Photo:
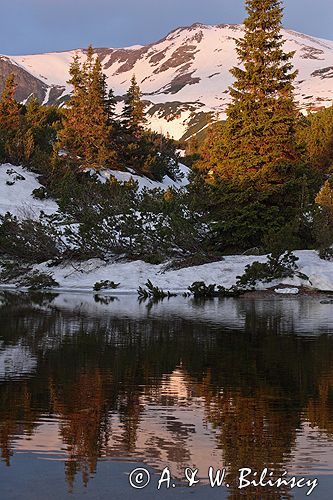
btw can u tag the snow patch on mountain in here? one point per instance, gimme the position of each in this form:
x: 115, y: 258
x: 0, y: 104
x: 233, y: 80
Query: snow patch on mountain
x: 190, y: 65
x: 143, y: 181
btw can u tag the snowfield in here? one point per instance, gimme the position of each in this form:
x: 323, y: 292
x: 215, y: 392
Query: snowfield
x: 82, y: 276
x: 16, y: 187
x: 145, y: 182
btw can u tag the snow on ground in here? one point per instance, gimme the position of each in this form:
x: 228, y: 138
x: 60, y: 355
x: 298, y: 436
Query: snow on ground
x: 286, y: 291
x: 145, y: 182
x: 17, y: 184
x: 81, y: 276
x: 16, y: 187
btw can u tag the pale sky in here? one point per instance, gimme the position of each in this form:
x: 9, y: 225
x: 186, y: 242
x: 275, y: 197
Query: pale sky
x: 32, y: 26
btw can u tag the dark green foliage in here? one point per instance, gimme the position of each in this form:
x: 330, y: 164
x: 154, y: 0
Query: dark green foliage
x: 105, y: 284
x: 322, y: 217
x: 276, y: 267
x: 200, y: 290
x: 150, y: 154
x: 40, y: 193
x: 245, y: 215
x: 153, y: 292
x: 11, y: 270
x: 29, y: 240
x: 112, y: 218
x: 315, y: 134
x: 326, y: 253
x: 322, y: 228
x: 133, y: 113
x: 202, y: 256
x: 38, y: 281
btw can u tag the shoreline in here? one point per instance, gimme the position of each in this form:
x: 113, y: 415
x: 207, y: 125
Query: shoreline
x: 314, y: 275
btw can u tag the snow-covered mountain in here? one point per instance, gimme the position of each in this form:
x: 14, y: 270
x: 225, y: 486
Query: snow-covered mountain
x: 182, y: 77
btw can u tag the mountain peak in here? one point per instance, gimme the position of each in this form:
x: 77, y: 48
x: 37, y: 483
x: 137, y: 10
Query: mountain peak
x: 183, y: 77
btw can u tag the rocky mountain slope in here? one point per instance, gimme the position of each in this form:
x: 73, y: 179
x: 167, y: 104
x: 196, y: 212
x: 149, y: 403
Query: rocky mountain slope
x: 183, y: 77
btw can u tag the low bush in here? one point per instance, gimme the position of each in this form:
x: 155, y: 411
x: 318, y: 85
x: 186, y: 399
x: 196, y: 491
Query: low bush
x: 277, y: 267
x: 30, y: 240
x: 38, y: 281
x: 105, y: 284
x: 200, y: 290
x: 11, y: 270
x: 40, y: 193
x: 153, y: 292
x: 326, y: 253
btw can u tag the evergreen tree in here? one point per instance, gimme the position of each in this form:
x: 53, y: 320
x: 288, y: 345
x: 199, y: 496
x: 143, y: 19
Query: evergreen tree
x: 16, y: 143
x: 133, y: 113
x: 85, y: 134
x: 9, y: 107
x: 325, y: 196
x: 316, y: 135
x: 260, y: 129
x: 10, y: 119
x: 110, y: 107
x: 252, y: 162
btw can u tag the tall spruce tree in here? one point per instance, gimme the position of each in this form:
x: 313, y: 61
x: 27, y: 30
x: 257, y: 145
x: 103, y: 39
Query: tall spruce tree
x: 133, y: 112
x: 16, y: 142
x: 252, y: 163
x: 260, y: 128
x: 9, y: 118
x: 86, y: 133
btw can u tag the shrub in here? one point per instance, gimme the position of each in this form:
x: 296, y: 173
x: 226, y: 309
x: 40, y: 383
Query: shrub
x: 10, y: 271
x: 40, y: 193
x: 200, y: 290
x: 115, y: 219
x: 104, y: 284
x: 38, y: 280
x: 153, y: 292
x: 30, y: 240
x: 277, y: 267
x: 326, y: 253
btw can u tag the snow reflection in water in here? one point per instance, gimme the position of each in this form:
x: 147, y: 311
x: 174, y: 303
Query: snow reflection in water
x: 228, y: 383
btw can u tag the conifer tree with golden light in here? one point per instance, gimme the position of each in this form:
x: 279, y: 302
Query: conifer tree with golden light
x: 260, y: 129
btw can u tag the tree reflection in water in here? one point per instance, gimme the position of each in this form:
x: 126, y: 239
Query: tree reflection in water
x: 166, y: 388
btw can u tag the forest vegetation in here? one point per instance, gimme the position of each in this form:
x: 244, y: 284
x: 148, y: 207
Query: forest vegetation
x: 261, y: 182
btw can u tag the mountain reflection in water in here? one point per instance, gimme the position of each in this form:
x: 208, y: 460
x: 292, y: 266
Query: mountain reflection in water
x: 226, y: 383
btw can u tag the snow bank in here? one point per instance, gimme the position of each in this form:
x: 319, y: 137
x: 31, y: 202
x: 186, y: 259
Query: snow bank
x: 145, y: 182
x: 17, y: 184
x: 286, y: 291
x: 83, y: 275
x: 16, y: 187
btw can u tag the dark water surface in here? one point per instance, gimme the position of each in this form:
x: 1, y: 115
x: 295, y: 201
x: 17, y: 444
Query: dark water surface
x: 92, y: 388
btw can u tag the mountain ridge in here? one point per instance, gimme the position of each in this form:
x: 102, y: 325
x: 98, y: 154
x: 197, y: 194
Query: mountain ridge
x: 183, y: 76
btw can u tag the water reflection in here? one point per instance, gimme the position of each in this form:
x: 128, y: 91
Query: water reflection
x: 228, y: 383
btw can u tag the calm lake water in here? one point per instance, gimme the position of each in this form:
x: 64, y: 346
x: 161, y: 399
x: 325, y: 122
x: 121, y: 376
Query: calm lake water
x: 93, y: 388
